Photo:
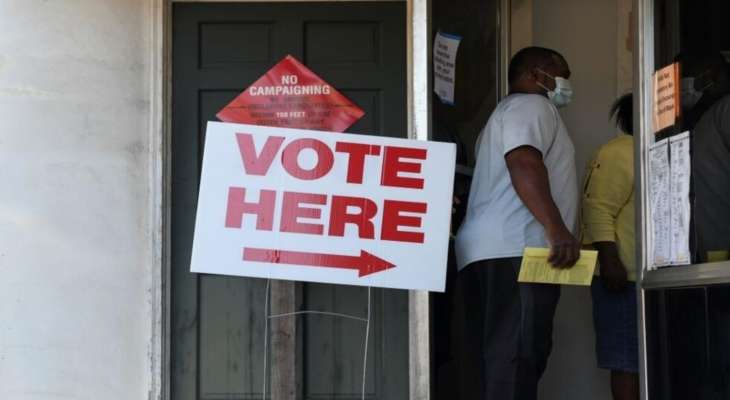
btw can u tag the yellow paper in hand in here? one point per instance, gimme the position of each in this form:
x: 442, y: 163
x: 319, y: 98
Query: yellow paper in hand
x: 536, y: 268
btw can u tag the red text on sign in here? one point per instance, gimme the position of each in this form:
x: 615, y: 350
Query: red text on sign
x: 303, y: 213
x: 395, y: 215
x: 395, y: 162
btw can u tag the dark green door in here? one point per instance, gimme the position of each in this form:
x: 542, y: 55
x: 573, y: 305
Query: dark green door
x: 218, y: 322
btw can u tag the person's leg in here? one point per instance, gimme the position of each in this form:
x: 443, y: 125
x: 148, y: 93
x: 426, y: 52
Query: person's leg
x: 471, y: 365
x: 617, y: 349
x: 518, y: 332
x: 538, y: 305
x: 624, y: 385
x: 502, y: 321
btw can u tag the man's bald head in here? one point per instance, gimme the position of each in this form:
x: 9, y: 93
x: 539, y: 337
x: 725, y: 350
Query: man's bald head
x: 524, y: 66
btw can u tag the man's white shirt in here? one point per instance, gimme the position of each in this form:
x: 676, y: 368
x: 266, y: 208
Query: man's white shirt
x: 497, y: 223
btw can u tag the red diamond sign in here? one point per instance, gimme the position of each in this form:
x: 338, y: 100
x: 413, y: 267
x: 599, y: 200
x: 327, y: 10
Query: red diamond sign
x: 290, y: 95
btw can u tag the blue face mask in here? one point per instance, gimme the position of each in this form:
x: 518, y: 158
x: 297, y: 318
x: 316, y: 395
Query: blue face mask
x: 562, y: 95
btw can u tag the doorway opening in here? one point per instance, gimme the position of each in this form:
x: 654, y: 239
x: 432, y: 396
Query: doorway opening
x: 596, y: 39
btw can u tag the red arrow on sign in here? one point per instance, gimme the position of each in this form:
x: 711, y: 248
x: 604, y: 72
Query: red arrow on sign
x: 365, y: 263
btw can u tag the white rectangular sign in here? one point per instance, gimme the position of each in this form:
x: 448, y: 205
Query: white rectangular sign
x: 324, y: 207
x: 679, y: 188
x: 669, y: 189
x: 660, y: 209
x: 445, y: 47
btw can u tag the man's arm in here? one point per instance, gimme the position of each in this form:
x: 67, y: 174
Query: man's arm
x: 530, y: 180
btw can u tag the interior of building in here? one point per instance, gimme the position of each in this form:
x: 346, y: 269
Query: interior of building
x: 595, y: 38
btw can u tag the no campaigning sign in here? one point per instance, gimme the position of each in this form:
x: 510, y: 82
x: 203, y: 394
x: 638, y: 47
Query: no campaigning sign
x: 308, y: 205
x: 292, y: 96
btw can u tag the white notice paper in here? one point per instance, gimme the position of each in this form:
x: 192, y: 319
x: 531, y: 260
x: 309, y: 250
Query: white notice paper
x: 659, y: 189
x: 680, y: 207
x: 445, y: 47
x: 669, y: 187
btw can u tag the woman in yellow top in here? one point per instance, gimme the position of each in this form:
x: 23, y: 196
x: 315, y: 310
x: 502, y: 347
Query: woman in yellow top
x: 608, y: 225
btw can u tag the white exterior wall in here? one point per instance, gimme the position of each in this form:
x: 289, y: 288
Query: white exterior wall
x: 79, y: 263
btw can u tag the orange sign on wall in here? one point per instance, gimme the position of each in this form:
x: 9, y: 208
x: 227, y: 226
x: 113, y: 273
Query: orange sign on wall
x: 290, y: 95
x: 666, y: 97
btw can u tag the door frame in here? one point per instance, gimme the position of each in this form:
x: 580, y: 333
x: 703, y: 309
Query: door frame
x: 418, y: 34
x: 643, y: 20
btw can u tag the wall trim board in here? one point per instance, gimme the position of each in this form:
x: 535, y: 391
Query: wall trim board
x: 159, y: 132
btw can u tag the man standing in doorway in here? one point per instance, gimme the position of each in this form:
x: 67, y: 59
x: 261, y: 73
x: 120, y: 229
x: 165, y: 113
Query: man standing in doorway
x: 524, y: 194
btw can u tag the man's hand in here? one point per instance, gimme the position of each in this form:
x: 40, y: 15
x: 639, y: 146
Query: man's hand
x: 564, y: 247
x: 613, y: 271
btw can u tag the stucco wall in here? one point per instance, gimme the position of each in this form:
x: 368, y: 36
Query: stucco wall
x: 77, y: 298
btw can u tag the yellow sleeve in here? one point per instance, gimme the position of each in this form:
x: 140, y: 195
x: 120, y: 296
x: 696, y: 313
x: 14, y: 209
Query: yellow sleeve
x: 608, y: 189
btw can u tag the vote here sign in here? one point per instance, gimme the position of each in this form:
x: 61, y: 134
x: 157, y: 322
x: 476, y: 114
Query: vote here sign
x: 314, y: 206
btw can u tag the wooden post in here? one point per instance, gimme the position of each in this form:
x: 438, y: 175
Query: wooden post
x: 283, y: 341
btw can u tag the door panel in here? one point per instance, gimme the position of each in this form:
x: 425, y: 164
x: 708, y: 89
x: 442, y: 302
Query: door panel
x: 218, y: 322
x: 230, y: 311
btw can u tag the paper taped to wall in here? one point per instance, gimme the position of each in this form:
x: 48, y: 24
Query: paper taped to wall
x: 669, y: 188
x: 660, y: 210
x: 679, y: 170
x: 445, y: 46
